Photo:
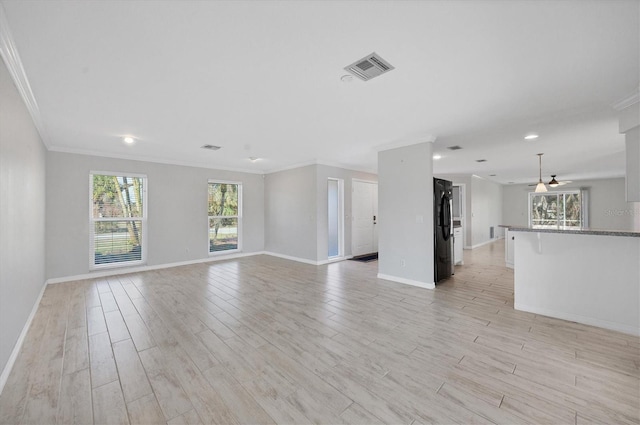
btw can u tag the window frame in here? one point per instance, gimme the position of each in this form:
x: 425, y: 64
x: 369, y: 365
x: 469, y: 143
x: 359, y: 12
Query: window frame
x: 340, y: 218
x: 238, y: 217
x: 143, y: 219
x: 583, y: 208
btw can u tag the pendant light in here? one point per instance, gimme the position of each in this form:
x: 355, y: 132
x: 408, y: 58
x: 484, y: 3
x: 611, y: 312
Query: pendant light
x: 553, y: 182
x: 540, y: 188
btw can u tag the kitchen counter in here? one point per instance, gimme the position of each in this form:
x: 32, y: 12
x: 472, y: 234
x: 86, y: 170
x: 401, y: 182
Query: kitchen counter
x: 586, y: 276
x: 575, y: 231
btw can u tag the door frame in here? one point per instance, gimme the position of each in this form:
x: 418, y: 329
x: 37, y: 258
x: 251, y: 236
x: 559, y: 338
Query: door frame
x: 463, y: 210
x: 340, y: 218
x: 375, y: 229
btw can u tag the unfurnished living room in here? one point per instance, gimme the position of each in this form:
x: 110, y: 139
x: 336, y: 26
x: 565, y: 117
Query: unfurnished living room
x: 329, y: 212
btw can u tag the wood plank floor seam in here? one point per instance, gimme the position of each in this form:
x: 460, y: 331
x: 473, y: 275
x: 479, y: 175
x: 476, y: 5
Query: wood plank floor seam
x: 266, y: 340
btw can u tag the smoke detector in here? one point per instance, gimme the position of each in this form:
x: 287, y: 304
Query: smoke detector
x: 210, y: 147
x: 369, y: 67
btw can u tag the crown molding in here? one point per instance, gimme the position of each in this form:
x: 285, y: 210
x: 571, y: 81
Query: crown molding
x: 291, y: 167
x: 345, y: 167
x: 11, y: 58
x: 426, y: 138
x: 318, y: 162
x: 627, y: 101
x: 145, y: 158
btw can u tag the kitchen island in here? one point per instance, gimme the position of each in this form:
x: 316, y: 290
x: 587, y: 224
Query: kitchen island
x: 582, y: 275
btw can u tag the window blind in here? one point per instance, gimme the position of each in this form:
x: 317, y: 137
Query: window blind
x: 118, y: 219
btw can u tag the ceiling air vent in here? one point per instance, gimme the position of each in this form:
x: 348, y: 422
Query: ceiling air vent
x: 454, y: 148
x: 210, y: 147
x: 369, y: 67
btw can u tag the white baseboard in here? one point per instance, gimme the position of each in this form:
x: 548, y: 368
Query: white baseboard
x: 615, y: 326
x: 407, y: 281
x: 483, y: 243
x: 16, y: 349
x: 298, y: 259
x: 334, y: 260
x: 126, y: 270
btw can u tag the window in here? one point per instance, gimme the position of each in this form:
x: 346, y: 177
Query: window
x: 557, y: 210
x: 117, y: 219
x: 225, y: 216
x: 335, y: 213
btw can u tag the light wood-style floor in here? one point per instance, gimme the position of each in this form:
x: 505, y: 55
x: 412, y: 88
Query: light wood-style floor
x: 266, y: 340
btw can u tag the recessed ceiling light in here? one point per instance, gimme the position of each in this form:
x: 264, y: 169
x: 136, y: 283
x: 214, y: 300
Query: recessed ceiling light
x: 531, y: 136
x: 436, y: 156
x: 481, y: 160
x: 492, y: 175
x: 128, y: 140
x: 455, y: 148
x: 210, y: 147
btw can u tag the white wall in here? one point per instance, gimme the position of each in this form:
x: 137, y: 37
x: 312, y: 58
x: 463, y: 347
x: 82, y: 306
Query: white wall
x: 608, y: 209
x: 296, y: 222
x: 591, y: 279
x: 629, y: 124
x: 486, y: 210
x: 22, y: 216
x: 468, y: 223
x: 177, y: 210
x: 405, y: 194
x: 483, y: 208
x: 323, y: 173
x: 290, y: 213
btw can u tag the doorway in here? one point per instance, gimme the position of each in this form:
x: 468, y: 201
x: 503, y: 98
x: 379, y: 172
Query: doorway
x: 458, y: 210
x: 335, y: 218
x: 364, y: 212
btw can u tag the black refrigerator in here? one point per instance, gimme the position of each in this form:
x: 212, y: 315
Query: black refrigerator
x: 443, y: 229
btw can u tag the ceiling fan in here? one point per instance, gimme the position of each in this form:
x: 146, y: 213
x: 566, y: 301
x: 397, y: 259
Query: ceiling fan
x: 555, y: 183
x: 540, y: 186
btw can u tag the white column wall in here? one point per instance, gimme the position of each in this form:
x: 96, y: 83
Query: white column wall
x: 405, y: 195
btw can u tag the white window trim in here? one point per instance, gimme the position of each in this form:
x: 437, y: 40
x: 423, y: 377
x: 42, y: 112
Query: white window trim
x: 584, y: 212
x: 239, y: 216
x: 340, y: 218
x: 92, y: 220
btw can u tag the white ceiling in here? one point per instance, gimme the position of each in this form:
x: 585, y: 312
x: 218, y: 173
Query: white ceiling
x: 263, y: 79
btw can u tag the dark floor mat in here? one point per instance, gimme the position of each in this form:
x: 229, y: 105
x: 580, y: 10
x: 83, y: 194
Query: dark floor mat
x: 366, y: 258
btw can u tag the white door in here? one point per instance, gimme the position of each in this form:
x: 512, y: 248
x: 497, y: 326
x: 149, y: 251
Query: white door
x: 364, y: 210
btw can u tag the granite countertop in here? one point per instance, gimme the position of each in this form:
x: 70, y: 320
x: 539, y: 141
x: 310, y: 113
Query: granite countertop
x: 573, y: 230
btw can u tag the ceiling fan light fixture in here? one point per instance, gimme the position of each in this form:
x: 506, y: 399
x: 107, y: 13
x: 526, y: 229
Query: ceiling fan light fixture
x: 541, y: 188
x: 553, y: 182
